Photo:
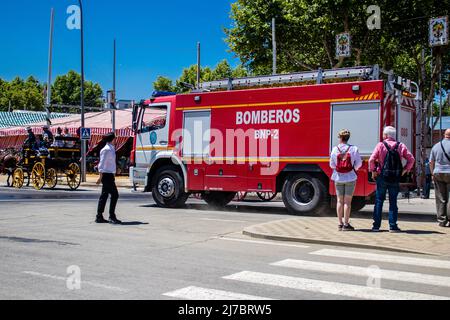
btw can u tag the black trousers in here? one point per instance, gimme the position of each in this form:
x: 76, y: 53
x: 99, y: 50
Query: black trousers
x: 109, y: 188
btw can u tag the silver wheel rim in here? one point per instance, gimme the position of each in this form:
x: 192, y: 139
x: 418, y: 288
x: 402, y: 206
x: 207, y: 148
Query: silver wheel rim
x: 303, y: 192
x: 166, y: 187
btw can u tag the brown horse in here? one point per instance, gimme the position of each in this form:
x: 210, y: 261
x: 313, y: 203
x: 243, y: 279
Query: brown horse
x: 8, y: 162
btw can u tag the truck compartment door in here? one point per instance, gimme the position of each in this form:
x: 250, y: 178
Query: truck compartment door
x: 363, y: 121
x: 196, y: 134
x: 196, y: 146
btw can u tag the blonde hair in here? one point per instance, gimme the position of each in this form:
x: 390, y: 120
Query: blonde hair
x: 344, y: 135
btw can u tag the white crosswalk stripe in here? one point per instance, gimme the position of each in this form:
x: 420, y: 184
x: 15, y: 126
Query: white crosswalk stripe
x: 327, y: 287
x: 198, y: 293
x: 365, y: 272
x: 422, y: 262
x: 373, y: 289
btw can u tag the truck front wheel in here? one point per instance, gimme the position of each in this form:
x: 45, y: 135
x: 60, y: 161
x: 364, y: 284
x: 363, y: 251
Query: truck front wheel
x: 303, y: 193
x: 218, y: 199
x: 168, y: 188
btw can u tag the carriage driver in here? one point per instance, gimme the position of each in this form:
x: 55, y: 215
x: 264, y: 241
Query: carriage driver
x: 31, y: 140
x: 47, y: 135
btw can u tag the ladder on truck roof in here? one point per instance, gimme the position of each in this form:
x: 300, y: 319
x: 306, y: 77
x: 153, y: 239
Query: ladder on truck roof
x: 367, y: 73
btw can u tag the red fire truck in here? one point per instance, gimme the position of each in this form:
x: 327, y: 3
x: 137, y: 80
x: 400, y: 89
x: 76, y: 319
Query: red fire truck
x: 267, y: 134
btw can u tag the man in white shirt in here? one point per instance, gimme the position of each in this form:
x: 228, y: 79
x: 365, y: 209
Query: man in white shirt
x: 107, y: 169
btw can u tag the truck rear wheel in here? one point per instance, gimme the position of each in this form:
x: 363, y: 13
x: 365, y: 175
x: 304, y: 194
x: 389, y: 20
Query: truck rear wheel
x: 303, y: 193
x: 168, y: 188
x: 218, y: 199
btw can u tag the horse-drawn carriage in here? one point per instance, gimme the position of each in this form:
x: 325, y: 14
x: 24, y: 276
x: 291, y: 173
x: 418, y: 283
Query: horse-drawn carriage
x: 48, y: 166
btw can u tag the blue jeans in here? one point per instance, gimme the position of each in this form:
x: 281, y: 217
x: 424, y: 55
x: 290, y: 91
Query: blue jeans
x: 427, y: 188
x: 382, y: 188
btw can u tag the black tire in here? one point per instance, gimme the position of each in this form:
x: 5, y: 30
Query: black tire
x: 218, y: 199
x: 304, y: 194
x: 358, y: 204
x: 168, y: 188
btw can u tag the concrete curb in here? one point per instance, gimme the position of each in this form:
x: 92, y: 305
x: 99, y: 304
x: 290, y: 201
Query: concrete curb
x: 260, y: 235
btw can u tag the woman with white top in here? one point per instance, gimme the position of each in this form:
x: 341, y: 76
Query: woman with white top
x: 345, y: 161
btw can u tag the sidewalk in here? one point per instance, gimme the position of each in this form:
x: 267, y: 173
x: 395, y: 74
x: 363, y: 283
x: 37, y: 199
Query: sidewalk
x: 422, y: 237
x: 121, y: 181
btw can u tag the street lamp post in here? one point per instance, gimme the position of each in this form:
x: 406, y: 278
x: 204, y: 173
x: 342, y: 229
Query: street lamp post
x: 83, y: 142
x: 49, y: 79
x: 114, y: 90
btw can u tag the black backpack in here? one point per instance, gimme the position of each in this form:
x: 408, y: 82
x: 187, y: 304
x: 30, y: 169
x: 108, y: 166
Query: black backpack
x: 393, y: 167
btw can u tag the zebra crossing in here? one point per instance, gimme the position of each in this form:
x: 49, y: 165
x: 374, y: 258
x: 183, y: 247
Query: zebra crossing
x: 370, y: 273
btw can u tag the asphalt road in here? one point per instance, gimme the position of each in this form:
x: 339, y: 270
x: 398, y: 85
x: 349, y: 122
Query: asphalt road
x: 46, y: 245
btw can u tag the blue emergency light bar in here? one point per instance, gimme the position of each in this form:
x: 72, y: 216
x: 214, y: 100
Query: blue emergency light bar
x: 157, y: 94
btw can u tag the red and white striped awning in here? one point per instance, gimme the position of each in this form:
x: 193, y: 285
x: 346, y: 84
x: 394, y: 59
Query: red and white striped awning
x: 99, y: 122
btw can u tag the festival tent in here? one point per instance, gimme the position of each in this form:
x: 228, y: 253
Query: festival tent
x: 99, y: 122
x: 23, y: 118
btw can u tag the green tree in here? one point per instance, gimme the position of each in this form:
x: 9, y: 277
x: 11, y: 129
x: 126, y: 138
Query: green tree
x: 222, y: 70
x: 306, y: 32
x: 188, y: 78
x: 66, y: 90
x: 23, y: 95
x: 239, y: 72
x: 164, y: 84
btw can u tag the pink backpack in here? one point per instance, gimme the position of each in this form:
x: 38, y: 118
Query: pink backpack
x: 344, y: 161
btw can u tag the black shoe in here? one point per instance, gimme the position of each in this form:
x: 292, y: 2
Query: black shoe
x: 395, y: 230
x: 375, y: 229
x: 348, y: 228
x: 115, y: 221
x: 340, y: 227
x: 101, y: 220
x: 444, y: 224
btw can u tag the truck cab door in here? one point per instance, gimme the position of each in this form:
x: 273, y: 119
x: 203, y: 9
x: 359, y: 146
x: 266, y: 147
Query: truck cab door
x: 152, y: 137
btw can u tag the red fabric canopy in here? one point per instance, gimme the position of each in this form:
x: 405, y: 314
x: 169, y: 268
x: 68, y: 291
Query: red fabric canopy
x: 14, y: 142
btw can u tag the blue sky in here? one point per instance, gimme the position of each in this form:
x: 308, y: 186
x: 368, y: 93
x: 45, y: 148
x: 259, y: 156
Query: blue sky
x: 153, y: 38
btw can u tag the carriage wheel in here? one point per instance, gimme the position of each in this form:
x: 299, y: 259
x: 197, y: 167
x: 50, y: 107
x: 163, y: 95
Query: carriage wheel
x: 266, y: 196
x: 38, y: 176
x: 73, y: 176
x: 51, y: 179
x: 18, y: 178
